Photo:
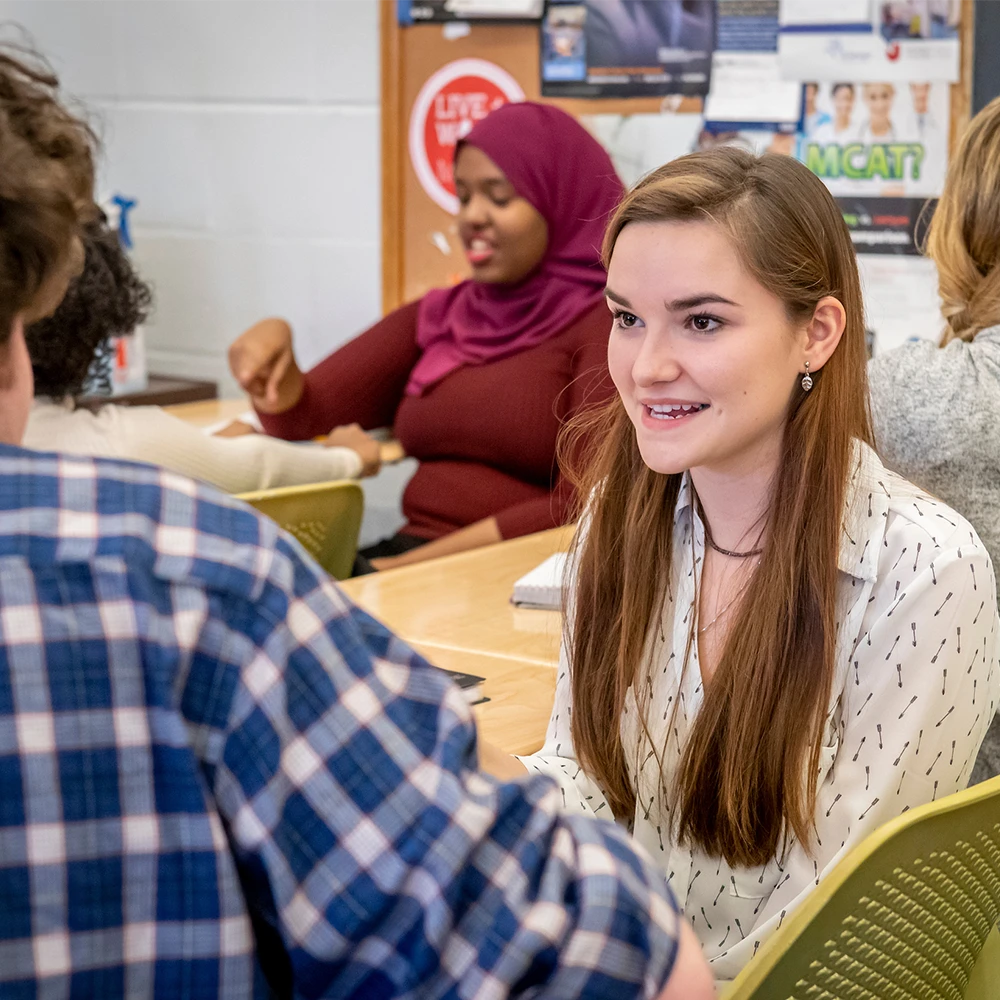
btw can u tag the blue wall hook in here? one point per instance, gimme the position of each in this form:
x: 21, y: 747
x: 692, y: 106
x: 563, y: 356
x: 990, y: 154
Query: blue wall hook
x: 125, y: 205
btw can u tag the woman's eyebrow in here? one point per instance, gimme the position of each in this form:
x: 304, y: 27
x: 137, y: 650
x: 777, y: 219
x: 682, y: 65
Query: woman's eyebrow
x: 487, y: 183
x: 615, y: 297
x: 703, y: 298
x: 678, y: 305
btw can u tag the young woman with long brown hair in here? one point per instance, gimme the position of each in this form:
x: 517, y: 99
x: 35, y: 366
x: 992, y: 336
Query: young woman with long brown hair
x: 773, y: 643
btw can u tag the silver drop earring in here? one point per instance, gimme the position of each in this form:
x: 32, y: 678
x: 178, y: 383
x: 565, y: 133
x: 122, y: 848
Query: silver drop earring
x: 807, y: 380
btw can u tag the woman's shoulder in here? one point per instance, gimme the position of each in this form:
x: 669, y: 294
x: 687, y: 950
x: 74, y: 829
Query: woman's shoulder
x: 398, y: 322
x: 408, y: 309
x: 595, y: 320
x: 55, y: 416
x: 926, y: 396
x: 921, y: 366
x: 924, y: 516
x: 901, y: 363
x: 403, y: 316
x: 919, y: 561
x: 893, y: 515
x: 57, y: 426
x: 588, y: 330
x: 917, y: 524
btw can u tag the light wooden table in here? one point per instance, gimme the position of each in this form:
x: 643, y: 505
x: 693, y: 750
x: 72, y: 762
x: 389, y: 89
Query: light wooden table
x: 462, y: 602
x: 520, y: 693
x: 215, y: 411
x: 456, y: 611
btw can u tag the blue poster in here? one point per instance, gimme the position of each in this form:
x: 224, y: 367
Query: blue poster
x: 627, y: 48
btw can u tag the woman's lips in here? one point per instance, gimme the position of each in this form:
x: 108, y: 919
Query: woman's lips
x: 479, y: 252
x: 669, y: 415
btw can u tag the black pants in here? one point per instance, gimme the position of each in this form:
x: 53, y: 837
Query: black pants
x: 396, y: 545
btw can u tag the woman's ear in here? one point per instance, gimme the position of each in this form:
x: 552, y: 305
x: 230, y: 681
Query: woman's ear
x: 823, y: 332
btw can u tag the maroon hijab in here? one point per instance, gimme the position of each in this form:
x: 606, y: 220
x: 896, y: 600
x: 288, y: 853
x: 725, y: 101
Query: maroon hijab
x: 569, y: 179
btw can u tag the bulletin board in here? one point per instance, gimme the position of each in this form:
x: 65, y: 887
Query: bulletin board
x: 412, y: 224
x: 420, y: 247
x: 961, y: 92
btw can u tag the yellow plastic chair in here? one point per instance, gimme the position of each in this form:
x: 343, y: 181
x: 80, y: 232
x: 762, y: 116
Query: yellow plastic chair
x: 910, y: 914
x: 324, y: 517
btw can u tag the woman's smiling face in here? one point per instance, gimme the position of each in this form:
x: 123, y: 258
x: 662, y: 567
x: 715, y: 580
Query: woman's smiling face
x: 704, y: 357
x: 504, y: 235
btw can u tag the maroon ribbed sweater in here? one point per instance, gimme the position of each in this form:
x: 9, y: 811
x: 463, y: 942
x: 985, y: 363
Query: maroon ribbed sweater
x: 485, y: 435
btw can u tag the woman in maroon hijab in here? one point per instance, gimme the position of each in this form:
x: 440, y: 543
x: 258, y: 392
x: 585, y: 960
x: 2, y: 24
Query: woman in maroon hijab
x: 477, y: 379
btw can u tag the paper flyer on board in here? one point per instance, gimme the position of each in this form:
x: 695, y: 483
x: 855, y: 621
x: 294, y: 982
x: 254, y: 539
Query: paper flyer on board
x: 881, y: 148
x: 747, y: 87
x: 505, y: 11
x: 869, y: 40
x: 901, y: 299
x: 863, y: 147
x: 627, y: 48
x: 884, y: 159
x: 640, y: 143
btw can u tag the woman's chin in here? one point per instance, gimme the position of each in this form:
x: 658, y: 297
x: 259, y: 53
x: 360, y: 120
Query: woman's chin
x: 489, y: 274
x: 663, y: 462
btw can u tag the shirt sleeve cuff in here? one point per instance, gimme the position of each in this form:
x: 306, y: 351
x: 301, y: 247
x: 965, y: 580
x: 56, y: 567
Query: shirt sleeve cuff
x: 349, y: 461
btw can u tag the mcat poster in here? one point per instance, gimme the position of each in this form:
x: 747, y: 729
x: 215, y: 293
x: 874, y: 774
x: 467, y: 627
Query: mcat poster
x: 882, y: 149
x: 627, y: 48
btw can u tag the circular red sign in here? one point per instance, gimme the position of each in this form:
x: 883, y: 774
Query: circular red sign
x: 448, y: 106
x: 456, y: 107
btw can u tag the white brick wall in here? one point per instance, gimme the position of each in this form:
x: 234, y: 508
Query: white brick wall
x: 248, y: 132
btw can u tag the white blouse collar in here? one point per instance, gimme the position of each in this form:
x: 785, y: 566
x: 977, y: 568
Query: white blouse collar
x: 866, y: 509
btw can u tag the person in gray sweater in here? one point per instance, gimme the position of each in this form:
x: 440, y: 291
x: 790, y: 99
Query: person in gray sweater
x: 937, y: 408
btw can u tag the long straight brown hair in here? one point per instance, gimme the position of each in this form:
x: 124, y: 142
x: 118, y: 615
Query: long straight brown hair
x: 747, y: 777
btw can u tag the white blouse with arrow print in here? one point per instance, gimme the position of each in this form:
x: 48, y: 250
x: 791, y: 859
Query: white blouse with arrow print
x: 917, y: 685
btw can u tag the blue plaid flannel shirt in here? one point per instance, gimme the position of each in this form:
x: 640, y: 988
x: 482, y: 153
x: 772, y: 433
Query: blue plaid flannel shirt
x: 220, y: 779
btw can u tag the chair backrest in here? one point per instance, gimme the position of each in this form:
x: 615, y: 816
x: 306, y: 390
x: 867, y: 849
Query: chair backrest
x: 324, y: 517
x: 909, y: 914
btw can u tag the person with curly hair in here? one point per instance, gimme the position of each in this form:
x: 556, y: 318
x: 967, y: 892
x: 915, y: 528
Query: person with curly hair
x: 72, y: 347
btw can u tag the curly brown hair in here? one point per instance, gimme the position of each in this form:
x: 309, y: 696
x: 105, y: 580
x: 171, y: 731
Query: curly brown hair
x: 46, y: 187
x: 108, y: 298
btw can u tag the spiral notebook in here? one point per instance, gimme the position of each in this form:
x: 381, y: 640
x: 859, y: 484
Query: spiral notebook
x: 542, y: 587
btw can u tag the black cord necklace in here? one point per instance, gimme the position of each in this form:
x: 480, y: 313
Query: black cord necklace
x: 727, y: 552
x: 719, y: 548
